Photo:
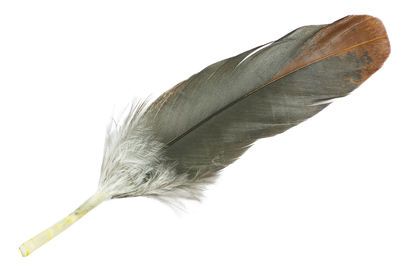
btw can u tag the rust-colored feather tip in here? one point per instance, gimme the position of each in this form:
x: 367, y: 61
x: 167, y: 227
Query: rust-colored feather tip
x: 361, y: 36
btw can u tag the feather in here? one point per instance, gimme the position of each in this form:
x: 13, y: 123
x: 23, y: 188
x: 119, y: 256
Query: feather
x: 172, y: 148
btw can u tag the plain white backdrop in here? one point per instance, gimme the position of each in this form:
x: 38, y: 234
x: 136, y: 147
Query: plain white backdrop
x: 325, y: 193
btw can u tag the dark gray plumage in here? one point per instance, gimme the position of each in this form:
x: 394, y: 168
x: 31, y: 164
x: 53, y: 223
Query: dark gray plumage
x: 210, y: 119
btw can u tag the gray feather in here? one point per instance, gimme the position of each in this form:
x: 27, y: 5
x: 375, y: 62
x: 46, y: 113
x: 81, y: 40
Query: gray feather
x: 206, y: 122
x: 175, y: 146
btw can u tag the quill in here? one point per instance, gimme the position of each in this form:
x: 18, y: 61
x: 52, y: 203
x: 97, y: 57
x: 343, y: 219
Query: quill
x: 173, y: 147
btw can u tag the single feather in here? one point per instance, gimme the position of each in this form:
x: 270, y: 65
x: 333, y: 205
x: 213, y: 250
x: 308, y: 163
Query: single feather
x: 173, y: 147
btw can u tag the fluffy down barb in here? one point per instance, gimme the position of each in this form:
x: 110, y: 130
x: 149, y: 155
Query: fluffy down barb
x: 134, y: 163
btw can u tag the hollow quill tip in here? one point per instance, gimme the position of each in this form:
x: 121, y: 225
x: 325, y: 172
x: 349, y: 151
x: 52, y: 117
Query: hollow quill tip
x: 24, y: 251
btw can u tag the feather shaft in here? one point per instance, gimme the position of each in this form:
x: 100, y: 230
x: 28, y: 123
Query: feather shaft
x: 34, y: 243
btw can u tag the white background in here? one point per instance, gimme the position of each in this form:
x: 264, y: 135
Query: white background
x: 325, y: 193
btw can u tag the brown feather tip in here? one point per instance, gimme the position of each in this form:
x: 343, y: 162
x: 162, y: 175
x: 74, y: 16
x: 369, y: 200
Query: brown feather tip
x: 360, y: 36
